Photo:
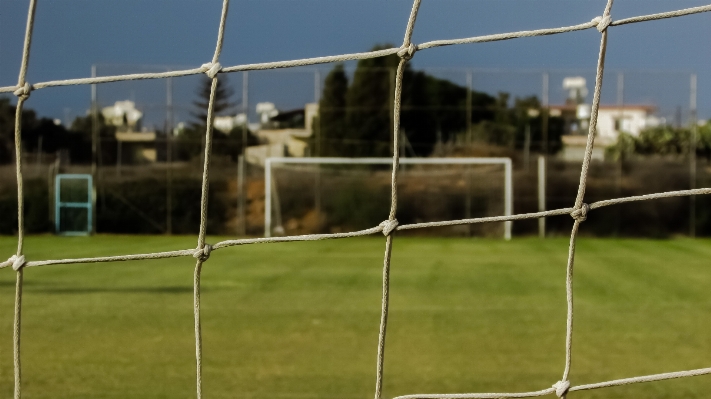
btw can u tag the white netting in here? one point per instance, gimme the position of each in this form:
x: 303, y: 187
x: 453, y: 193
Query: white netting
x: 578, y: 211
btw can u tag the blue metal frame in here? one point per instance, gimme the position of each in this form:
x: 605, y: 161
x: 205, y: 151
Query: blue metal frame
x: 58, y: 204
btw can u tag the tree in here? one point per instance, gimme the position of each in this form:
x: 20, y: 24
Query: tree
x: 54, y: 137
x: 190, y: 142
x: 662, y: 140
x: 430, y: 107
x: 331, y: 122
x: 80, y: 133
x: 369, y: 105
x: 222, y: 102
x: 356, y: 120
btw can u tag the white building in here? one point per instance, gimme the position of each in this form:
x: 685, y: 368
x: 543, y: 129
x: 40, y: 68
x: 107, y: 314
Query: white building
x: 226, y: 124
x: 123, y: 114
x: 133, y: 143
x: 278, y: 141
x: 632, y: 119
x: 611, y: 121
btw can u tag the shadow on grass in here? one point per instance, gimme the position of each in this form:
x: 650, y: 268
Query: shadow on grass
x: 95, y: 290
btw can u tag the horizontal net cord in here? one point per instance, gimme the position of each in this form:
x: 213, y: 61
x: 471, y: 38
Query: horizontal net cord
x: 531, y: 394
x: 584, y: 387
x: 668, y: 194
x: 646, y: 378
x: 488, y: 219
x: 104, y: 259
x: 202, y: 69
x: 358, y: 56
x: 661, y: 15
x: 507, y: 36
x: 359, y: 233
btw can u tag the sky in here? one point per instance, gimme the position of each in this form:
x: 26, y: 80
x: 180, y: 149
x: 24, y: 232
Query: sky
x: 136, y: 35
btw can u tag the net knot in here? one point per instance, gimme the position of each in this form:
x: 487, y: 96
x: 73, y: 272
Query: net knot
x: 580, y: 214
x: 23, y: 91
x: 211, y: 69
x: 15, y: 261
x: 602, y: 22
x: 388, y: 226
x: 406, y: 52
x: 561, y: 388
x: 203, y: 254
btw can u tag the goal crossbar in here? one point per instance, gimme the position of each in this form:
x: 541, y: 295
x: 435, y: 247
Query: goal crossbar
x: 506, y: 162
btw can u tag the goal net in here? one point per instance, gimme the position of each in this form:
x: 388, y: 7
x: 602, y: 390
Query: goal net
x: 73, y: 204
x: 321, y: 192
x: 578, y: 210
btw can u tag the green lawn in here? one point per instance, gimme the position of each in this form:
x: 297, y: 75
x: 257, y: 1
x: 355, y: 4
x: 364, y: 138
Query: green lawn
x: 300, y: 320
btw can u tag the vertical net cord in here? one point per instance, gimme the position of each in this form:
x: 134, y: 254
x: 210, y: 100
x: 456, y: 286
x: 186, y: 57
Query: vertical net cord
x: 580, y: 209
x: 392, y: 222
x: 203, y: 250
x: 22, y: 95
x: 20, y: 244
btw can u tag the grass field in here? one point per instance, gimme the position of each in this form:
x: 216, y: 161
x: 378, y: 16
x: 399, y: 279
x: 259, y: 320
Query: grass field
x: 300, y: 320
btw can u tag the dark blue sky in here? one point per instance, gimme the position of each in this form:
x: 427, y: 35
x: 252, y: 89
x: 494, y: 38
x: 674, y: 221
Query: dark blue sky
x: 71, y: 35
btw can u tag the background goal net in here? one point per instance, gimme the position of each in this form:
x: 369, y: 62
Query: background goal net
x: 579, y: 210
x: 465, y: 186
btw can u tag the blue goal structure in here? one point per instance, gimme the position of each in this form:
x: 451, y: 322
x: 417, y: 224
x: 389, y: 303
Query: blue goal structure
x: 73, y: 204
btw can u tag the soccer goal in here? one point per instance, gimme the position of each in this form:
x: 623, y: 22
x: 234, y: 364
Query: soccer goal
x: 271, y: 197
x: 73, y: 204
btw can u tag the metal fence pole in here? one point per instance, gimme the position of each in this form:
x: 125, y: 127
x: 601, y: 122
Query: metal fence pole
x: 94, y: 148
x: 618, y: 180
x: 267, y: 198
x: 692, y: 156
x: 317, y: 148
x: 544, y: 115
x: 169, y: 157
x: 119, y: 155
x: 470, y: 142
x: 541, y: 195
x: 241, y: 222
x: 527, y: 147
x: 508, y: 198
x: 242, y: 183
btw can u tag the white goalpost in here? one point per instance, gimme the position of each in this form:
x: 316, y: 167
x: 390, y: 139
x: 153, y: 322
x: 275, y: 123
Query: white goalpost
x: 506, y: 162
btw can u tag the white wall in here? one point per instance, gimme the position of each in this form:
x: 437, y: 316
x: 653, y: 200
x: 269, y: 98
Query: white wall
x: 631, y: 120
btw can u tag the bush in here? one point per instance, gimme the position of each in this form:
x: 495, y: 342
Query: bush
x: 36, y: 202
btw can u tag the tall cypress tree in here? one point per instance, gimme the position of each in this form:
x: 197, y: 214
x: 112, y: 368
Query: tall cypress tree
x: 189, y: 144
x: 223, y: 92
x: 356, y: 121
x: 332, y: 114
x: 369, y: 105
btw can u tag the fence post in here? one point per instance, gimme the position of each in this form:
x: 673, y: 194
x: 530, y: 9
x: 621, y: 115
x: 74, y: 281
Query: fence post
x: 241, y: 182
x: 317, y: 148
x: 467, y: 168
x: 692, y: 157
x: 267, y: 198
x: 168, y: 156
x: 508, y: 198
x: 241, y: 221
x: 541, y: 195
x: 618, y: 163
x: 544, y: 116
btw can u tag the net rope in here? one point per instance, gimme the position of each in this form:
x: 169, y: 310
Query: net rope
x: 579, y: 211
